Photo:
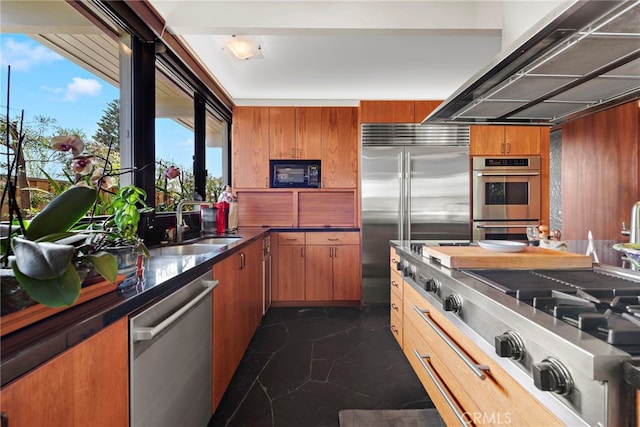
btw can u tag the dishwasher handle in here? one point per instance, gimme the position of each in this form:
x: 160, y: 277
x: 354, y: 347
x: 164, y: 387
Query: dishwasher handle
x: 150, y: 332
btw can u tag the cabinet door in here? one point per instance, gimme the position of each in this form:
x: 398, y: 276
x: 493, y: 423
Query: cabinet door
x: 282, y: 137
x: 387, y: 112
x: 228, y: 345
x: 522, y: 140
x: 339, y: 147
x: 252, y: 275
x: 309, y: 132
x: 486, y: 140
x: 289, y: 284
x: 87, y: 385
x: 505, y: 140
x: 347, y: 280
x: 319, y: 273
x: 250, y: 147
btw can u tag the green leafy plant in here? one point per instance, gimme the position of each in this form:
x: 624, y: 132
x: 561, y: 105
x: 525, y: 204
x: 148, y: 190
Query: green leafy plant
x: 121, y: 227
x: 48, y: 252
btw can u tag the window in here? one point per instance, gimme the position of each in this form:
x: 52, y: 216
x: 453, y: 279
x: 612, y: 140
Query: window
x: 56, y: 83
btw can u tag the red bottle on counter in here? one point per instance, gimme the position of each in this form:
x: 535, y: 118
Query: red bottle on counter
x: 221, y: 217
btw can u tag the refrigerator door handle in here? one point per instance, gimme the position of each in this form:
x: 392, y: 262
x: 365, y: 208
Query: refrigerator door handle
x: 408, y: 172
x: 402, y: 196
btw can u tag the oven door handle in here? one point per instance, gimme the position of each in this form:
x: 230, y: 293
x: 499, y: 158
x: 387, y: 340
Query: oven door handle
x: 507, y: 174
x: 441, y: 388
x: 505, y: 226
x: 478, y: 370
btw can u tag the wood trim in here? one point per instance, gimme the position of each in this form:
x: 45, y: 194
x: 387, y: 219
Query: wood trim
x: 424, y: 108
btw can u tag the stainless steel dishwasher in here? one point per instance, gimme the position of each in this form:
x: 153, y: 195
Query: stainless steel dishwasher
x: 170, y: 359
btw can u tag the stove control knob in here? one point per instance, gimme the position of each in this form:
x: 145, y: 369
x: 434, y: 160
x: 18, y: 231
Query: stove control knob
x: 510, y: 345
x: 400, y: 265
x: 409, y: 271
x: 430, y: 284
x: 452, y: 303
x: 552, y: 375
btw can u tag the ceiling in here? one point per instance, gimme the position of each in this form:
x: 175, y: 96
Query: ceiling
x: 339, y: 52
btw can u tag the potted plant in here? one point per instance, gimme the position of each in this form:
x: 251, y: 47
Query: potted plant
x: 119, y: 233
x: 47, y: 255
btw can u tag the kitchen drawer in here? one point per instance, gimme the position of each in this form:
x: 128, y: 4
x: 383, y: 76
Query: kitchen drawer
x: 496, y: 394
x: 287, y: 238
x: 394, y: 259
x: 396, y: 304
x: 396, y: 285
x: 415, y: 347
x: 332, y: 238
x: 395, y: 324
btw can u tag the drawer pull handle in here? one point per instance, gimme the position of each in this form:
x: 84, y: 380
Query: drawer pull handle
x: 394, y: 283
x: 440, y: 387
x: 477, y: 369
x: 394, y: 329
x: 291, y: 239
x: 332, y: 239
x: 394, y: 306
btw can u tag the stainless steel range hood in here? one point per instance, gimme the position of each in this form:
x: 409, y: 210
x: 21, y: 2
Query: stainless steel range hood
x: 581, y: 58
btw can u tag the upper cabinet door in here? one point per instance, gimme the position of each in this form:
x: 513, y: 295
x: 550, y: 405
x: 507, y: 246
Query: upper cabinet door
x: 309, y: 132
x: 282, y: 132
x: 505, y: 140
x: 387, y: 112
x: 339, y: 147
x: 250, y: 147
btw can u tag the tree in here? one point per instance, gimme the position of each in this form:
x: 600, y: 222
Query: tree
x: 109, y: 126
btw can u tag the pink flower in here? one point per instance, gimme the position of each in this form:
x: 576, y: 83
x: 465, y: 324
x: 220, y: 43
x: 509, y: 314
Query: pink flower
x: 82, y: 165
x: 172, y: 172
x: 107, y: 181
x: 66, y: 143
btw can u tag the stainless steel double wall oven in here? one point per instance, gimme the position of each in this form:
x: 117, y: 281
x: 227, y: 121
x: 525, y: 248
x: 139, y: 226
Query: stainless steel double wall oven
x: 506, y: 197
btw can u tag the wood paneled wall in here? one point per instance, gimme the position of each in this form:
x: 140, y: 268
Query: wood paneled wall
x: 600, y: 172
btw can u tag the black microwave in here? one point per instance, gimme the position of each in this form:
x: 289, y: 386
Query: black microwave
x: 294, y: 173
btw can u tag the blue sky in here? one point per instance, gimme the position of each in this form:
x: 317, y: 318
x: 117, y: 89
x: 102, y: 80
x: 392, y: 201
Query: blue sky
x: 45, y: 84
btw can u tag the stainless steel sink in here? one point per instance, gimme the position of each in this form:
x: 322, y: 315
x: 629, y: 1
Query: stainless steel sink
x: 219, y: 240
x: 192, y: 249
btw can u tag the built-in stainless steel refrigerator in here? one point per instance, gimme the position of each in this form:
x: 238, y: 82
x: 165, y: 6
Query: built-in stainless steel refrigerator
x: 415, y: 186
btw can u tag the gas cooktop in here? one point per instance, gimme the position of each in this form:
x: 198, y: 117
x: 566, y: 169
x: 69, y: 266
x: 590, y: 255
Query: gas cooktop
x: 603, y: 305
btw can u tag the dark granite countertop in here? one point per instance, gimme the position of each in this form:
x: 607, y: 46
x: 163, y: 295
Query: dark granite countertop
x: 33, y: 345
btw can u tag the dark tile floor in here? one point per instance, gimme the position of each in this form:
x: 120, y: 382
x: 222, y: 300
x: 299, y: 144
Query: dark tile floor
x: 305, y: 364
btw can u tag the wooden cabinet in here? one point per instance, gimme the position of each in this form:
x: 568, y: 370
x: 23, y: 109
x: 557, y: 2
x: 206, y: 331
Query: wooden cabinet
x: 387, y: 111
x: 396, y: 111
x: 295, y: 132
x: 87, y: 385
x: 506, y: 140
x: 317, y: 267
x: 424, y: 108
x: 327, y: 208
x: 282, y: 132
x: 330, y: 265
x: 459, y: 389
x: 237, y: 311
x: 266, y: 208
x: 250, y: 147
x: 309, y: 133
x: 396, y: 298
x: 339, y: 147
x: 288, y: 283
x: 326, y: 133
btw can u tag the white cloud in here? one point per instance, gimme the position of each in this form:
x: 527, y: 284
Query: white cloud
x: 24, y: 55
x: 82, y: 87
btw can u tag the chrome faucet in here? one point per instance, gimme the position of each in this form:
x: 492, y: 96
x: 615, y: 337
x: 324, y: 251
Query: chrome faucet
x: 179, y: 227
